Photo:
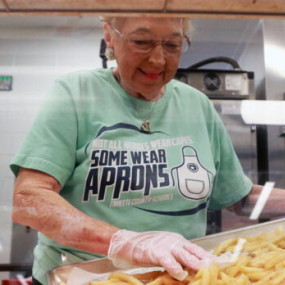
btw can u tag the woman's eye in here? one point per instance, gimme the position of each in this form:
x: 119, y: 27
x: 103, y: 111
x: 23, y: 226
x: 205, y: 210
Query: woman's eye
x: 142, y: 42
x: 172, y: 45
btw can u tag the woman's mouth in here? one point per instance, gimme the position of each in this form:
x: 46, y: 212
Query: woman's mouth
x: 152, y: 75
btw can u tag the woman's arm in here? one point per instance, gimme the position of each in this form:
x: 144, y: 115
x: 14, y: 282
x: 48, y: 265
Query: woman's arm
x: 37, y: 204
x: 274, y: 207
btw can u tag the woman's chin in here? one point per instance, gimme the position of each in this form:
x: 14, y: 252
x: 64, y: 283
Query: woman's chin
x: 151, y: 95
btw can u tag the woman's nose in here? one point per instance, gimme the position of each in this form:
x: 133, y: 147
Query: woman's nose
x: 157, y: 56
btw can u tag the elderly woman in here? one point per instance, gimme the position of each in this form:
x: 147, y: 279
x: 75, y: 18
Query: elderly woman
x: 124, y: 162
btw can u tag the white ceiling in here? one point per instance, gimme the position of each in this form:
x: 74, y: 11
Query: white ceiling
x: 210, y: 37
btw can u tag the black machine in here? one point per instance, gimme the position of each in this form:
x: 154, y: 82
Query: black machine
x: 219, y: 84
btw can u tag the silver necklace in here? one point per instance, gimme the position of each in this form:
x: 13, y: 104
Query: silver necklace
x: 145, y: 126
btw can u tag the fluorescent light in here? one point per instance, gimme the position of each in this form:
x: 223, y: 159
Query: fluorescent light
x: 275, y: 58
x: 263, y: 112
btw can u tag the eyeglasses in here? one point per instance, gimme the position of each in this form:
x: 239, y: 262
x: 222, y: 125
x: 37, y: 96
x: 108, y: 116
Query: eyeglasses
x: 145, y: 43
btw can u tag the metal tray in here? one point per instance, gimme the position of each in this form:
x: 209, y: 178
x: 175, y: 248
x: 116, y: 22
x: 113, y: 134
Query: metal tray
x: 104, y: 265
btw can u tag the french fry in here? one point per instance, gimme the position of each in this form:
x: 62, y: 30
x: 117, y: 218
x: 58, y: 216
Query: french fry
x: 246, y: 269
x: 164, y: 279
x: 107, y: 282
x: 198, y: 275
x: 148, y: 276
x: 125, y: 278
x: 227, y: 280
x: 265, y: 280
x: 242, y: 279
x: 224, y: 245
x: 256, y: 276
x: 205, y: 277
x: 214, y: 271
x: 196, y: 282
x: 278, y: 278
x: 274, y: 260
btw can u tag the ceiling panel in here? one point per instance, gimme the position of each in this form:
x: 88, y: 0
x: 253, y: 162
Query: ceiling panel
x: 243, y: 6
x: 45, y: 22
x: 118, y: 5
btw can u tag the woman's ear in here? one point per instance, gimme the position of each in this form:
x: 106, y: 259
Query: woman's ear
x: 107, y: 35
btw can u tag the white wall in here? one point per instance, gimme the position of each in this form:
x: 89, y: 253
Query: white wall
x: 34, y: 57
x: 252, y: 58
x: 219, y: 37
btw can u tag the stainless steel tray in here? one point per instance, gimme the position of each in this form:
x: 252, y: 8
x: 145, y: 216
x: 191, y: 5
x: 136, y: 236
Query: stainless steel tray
x: 60, y: 274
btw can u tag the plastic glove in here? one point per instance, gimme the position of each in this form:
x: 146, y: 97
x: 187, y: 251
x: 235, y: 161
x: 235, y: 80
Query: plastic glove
x: 169, y: 250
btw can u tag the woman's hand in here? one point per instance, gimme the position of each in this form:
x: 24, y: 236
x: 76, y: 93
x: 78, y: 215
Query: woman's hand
x: 166, y: 249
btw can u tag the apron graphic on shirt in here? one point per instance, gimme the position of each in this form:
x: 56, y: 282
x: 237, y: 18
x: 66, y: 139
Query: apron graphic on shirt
x: 194, y: 181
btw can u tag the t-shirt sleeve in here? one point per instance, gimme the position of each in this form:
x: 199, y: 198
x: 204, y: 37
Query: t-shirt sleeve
x: 50, y: 145
x: 230, y: 183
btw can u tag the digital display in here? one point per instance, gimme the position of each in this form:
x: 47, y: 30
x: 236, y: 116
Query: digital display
x: 5, y: 82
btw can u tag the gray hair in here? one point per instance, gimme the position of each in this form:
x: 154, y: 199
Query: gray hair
x: 187, y: 25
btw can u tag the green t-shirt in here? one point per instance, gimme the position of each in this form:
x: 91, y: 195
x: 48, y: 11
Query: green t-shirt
x: 87, y: 135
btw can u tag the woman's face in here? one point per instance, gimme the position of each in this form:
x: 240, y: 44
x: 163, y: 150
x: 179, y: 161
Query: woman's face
x: 144, y: 75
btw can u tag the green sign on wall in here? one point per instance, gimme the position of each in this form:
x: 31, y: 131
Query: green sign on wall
x: 6, y: 82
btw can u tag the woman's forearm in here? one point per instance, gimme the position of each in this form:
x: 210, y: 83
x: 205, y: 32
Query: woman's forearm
x: 38, y: 205
x: 274, y: 206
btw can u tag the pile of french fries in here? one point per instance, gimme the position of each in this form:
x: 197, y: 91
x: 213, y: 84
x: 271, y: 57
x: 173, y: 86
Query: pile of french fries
x: 261, y: 261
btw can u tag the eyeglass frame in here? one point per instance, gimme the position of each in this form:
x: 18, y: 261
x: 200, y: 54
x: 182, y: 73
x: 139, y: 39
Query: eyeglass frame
x: 184, y: 37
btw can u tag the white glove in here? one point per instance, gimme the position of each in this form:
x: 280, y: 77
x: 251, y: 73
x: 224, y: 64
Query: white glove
x: 166, y: 249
